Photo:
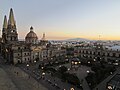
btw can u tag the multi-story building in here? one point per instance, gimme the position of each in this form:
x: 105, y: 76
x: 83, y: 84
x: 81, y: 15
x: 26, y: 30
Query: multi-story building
x: 98, y: 52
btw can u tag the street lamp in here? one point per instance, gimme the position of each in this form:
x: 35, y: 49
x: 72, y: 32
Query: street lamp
x: 42, y: 67
x: 59, y: 65
x: 72, y: 62
x: 71, y: 88
x: 79, y: 62
x: 68, y: 69
x: 43, y: 73
x: 88, y: 61
x: 111, y: 72
x: 116, y: 60
x: 35, y: 61
x: 88, y: 71
x: 76, y: 63
x: 94, y: 60
x: 27, y: 66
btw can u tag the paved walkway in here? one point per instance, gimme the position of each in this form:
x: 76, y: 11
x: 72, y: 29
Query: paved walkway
x: 81, y: 73
x: 21, y: 80
x: 5, y: 81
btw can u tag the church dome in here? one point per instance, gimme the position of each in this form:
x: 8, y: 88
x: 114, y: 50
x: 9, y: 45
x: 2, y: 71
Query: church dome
x: 31, y: 37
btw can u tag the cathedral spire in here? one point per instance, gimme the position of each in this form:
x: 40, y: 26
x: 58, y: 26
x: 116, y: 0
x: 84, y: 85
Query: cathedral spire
x: 5, y: 22
x: 11, y: 20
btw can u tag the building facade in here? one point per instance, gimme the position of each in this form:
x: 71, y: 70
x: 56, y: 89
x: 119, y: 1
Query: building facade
x: 98, y: 52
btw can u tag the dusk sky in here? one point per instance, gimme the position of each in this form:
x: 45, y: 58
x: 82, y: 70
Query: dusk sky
x: 64, y: 19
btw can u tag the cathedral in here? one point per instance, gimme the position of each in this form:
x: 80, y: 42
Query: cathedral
x: 15, y: 51
x: 30, y: 50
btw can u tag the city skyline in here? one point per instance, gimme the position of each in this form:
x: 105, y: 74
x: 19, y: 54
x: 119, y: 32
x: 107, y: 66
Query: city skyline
x: 66, y: 18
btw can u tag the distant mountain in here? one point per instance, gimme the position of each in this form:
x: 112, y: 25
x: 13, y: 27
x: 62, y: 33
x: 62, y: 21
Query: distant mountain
x: 77, y: 39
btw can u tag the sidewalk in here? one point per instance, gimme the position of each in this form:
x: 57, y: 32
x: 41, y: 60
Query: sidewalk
x: 31, y: 82
x: 21, y: 79
x: 85, y: 85
x: 5, y: 81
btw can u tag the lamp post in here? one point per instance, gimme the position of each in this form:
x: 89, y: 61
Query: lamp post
x: 94, y: 60
x: 43, y: 75
x: 27, y: 66
x: 87, y: 72
x: 72, y: 89
x: 35, y: 61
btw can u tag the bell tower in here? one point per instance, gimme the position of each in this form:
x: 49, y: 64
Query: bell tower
x: 12, y: 34
x: 4, y: 30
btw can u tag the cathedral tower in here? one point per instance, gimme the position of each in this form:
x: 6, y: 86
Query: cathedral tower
x: 4, y: 30
x: 12, y: 34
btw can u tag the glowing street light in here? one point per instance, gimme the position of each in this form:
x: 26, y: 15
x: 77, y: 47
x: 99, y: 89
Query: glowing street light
x: 76, y: 63
x: 72, y: 62
x: 35, y: 61
x: 72, y: 89
x: 88, y: 61
x: 43, y: 73
x: 88, y: 71
x: 68, y: 69
x: 79, y: 62
x: 94, y: 59
x: 27, y: 65
x: 59, y: 65
x: 42, y: 67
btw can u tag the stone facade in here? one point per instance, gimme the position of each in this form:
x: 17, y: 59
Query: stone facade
x: 97, y: 52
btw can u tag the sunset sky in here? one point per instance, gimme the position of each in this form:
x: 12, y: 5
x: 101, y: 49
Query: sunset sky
x: 64, y: 19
